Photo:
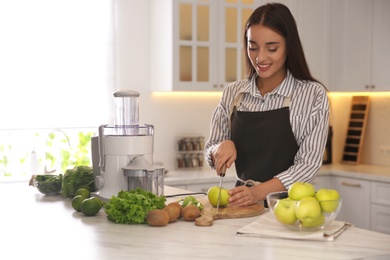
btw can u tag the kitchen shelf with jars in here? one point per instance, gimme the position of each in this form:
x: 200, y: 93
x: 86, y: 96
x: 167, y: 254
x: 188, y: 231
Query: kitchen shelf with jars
x: 190, y: 154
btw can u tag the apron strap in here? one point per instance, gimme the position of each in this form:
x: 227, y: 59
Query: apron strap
x: 286, y: 102
x: 236, y: 102
x: 248, y: 183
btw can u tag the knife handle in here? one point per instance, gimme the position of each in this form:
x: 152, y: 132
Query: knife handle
x: 223, y: 170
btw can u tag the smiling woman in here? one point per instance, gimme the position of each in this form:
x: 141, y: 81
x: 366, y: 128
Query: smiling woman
x: 56, y: 72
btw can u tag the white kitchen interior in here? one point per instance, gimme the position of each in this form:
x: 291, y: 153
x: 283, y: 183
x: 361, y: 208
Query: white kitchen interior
x: 331, y: 57
x: 346, y: 43
x: 195, y: 109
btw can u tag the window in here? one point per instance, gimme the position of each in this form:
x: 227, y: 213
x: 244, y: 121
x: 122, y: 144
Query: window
x: 56, y: 73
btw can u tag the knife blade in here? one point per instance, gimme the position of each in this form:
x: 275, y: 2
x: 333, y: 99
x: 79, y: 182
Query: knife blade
x: 222, y: 174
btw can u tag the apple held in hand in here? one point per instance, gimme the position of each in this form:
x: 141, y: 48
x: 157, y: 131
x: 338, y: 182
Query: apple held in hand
x: 298, y: 190
x: 213, y: 194
x: 308, y: 210
x: 328, y: 199
x: 285, y: 211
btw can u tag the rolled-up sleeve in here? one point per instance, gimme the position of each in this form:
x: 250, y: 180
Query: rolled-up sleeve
x: 218, y: 127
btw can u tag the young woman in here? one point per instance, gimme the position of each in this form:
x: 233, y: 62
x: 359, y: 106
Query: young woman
x: 273, y: 125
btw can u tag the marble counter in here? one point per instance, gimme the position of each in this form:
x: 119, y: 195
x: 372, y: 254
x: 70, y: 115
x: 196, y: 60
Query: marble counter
x: 35, y: 226
x: 359, y: 171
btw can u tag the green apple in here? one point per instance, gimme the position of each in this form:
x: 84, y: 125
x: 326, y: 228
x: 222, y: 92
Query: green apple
x: 316, y: 223
x: 298, y: 190
x: 213, y: 194
x: 328, y: 198
x: 284, y: 211
x: 308, y: 210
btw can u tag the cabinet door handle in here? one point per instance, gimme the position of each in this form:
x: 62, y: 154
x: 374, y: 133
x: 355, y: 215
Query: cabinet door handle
x: 356, y: 185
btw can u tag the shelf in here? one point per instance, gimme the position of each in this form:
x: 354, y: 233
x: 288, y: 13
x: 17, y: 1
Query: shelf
x: 356, y: 129
x: 189, y: 152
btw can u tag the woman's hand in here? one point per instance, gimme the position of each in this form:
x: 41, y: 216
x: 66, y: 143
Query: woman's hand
x: 243, y: 196
x: 224, y: 152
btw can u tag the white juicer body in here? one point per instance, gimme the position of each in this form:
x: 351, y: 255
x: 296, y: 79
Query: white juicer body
x: 118, y: 152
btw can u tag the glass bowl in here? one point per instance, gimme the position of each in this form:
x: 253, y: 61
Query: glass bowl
x: 48, y: 187
x: 303, y: 215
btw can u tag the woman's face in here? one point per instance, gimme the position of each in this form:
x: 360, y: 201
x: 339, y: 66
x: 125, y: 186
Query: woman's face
x: 267, y: 52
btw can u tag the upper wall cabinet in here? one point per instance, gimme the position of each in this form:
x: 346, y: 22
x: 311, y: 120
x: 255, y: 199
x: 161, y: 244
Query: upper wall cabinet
x: 196, y: 45
x: 312, y: 18
x: 360, y: 49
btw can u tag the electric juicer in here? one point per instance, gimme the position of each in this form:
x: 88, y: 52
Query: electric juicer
x: 122, y: 154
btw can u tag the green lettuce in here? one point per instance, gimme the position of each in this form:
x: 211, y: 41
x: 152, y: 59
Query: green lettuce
x: 132, y: 207
x: 76, y: 178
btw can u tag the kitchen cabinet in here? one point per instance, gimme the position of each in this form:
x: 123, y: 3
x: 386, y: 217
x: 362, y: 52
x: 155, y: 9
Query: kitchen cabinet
x: 380, y: 207
x: 380, y: 45
x: 366, y: 204
x: 314, y: 28
x: 359, y: 45
x: 312, y: 18
x: 197, y: 45
x: 322, y: 181
x: 356, y: 200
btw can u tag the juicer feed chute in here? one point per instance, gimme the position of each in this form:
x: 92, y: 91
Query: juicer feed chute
x: 121, y: 148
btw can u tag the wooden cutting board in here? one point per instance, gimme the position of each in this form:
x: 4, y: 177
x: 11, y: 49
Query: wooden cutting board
x: 210, y: 213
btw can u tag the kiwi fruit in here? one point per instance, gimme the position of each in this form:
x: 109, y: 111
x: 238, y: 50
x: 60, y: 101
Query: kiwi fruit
x: 157, y: 218
x: 176, y: 204
x: 173, y: 212
x: 190, y: 213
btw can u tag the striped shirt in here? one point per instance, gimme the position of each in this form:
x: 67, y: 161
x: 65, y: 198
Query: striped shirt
x: 309, y: 119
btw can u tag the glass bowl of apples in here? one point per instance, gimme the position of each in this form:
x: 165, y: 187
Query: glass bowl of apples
x: 305, y: 211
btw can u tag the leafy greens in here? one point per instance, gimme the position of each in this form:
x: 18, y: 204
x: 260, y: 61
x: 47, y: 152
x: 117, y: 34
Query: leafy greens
x: 75, y: 178
x: 132, y: 207
x: 49, y: 184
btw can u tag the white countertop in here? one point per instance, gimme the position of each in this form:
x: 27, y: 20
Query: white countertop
x: 179, y: 177
x: 360, y: 171
x: 35, y: 226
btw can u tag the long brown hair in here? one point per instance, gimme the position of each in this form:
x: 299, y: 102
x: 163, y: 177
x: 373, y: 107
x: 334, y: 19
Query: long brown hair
x: 279, y: 18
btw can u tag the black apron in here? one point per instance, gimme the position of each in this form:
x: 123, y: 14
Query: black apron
x: 265, y: 143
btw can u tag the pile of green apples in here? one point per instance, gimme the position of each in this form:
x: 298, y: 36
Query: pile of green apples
x: 306, y: 205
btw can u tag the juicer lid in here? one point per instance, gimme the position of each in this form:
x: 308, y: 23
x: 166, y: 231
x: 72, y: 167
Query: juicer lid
x: 126, y: 93
x: 139, y: 163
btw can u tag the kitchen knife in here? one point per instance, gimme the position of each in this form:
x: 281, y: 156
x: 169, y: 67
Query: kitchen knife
x: 222, y: 174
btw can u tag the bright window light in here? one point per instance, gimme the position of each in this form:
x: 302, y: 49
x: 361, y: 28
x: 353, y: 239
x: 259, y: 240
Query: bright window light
x: 55, y: 63
x: 56, y: 82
